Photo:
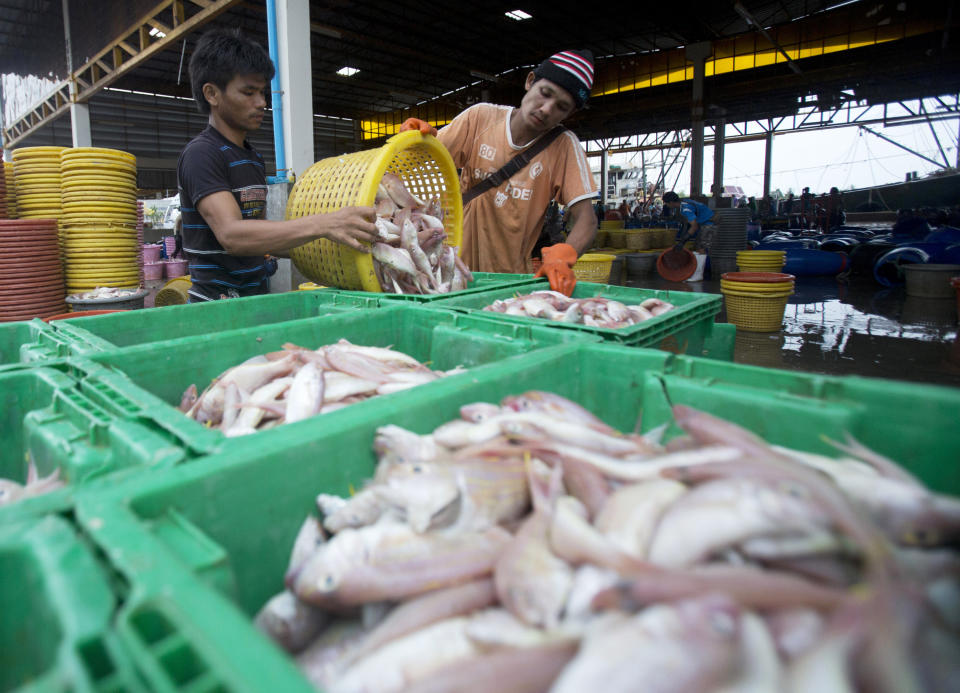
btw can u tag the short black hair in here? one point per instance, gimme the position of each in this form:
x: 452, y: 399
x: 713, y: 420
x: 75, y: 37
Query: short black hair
x: 671, y: 197
x: 221, y: 55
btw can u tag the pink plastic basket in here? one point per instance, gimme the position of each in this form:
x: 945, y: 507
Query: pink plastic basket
x: 175, y: 268
x: 152, y: 271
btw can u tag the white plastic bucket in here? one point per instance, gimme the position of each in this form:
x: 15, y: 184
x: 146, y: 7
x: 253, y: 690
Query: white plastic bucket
x: 698, y: 273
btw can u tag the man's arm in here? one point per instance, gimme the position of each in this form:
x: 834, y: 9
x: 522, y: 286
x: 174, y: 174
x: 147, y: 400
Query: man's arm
x: 583, y: 226
x: 240, y: 236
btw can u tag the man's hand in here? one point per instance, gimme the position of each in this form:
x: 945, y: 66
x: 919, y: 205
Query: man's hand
x: 558, y: 262
x: 349, y: 226
x: 423, y: 126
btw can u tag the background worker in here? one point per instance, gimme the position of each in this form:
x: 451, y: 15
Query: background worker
x: 501, y: 226
x: 696, y: 220
x: 222, y: 181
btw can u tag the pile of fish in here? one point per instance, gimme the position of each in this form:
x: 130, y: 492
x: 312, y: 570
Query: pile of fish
x: 528, y: 546
x: 296, y: 383
x: 104, y: 292
x: 412, y: 257
x: 594, y: 312
x: 12, y: 491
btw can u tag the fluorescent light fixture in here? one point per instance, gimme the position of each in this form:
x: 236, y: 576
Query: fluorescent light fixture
x: 347, y: 71
x: 519, y: 15
x: 154, y: 31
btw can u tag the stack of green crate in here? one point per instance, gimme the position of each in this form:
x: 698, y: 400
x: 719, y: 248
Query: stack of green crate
x: 31, y: 342
x: 687, y: 329
x: 153, y: 376
x: 56, y: 613
x: 482, y: 282
x: 107, y: 332
x: 204, y: 545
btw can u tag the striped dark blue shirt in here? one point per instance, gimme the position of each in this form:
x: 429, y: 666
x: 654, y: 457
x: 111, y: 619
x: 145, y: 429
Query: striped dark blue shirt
x: 208, y: 164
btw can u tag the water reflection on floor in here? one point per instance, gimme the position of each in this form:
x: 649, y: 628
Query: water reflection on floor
x: 852, y: 328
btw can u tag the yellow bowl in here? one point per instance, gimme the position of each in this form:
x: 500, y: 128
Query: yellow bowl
x: 756, y: 288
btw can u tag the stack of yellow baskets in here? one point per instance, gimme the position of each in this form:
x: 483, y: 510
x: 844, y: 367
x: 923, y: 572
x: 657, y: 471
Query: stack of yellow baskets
x: 99, y: 222
x: 761, y: 260
x: 36, y: 177
x: 11, y: 190
x: 755, y: 301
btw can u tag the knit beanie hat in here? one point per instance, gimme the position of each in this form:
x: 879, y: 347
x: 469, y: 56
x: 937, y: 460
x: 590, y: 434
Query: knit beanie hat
x: 572, y: 70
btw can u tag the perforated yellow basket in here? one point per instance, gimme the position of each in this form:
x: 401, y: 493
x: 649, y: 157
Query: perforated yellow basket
x: 420, y: 161
x: 755, y: 312
x: 594, y: 267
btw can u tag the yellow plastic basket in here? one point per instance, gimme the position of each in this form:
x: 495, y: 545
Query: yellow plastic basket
x: 602, y: 239
x: 419, y: 160
x: 612, y: 224
x: 174, y: 292
x: 593, y: 267
x: 750, y: 288
x: 754, y: 312
x: 617, y: 239
x: 638, y: 239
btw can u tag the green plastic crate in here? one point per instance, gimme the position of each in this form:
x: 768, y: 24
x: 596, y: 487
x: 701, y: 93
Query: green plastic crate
x: 150, y: 379
x: 688, y: 329
x: 49, y: 416
x: 30, y: 342
x: 56, y: 609
x: 482, y: 281
x: 208, y: 566
x: 107, y: 332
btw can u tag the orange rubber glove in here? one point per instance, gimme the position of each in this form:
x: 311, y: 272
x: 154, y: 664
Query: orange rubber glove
x: 423, y: 126
x: 558, y: 262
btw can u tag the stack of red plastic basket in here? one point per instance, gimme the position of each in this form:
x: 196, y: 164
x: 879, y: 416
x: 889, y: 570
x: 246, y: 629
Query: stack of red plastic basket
x: 31, y: 276
x: 4, y: 208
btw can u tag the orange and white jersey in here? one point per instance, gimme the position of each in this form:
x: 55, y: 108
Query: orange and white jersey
x: 501, y: 226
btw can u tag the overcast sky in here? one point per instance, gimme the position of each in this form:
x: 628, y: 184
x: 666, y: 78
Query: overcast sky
x: 844, y: 157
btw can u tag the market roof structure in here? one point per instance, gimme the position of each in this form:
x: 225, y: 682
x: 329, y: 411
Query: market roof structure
x: 765, y: 59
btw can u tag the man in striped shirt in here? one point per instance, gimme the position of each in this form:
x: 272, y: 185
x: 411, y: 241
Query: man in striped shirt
x: 222, y: 181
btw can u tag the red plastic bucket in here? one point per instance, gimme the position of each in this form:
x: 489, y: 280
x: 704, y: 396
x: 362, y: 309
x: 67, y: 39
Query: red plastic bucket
x: 82, y: 314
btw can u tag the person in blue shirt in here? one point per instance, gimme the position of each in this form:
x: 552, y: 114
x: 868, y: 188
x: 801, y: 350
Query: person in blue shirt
x: 696, y: 219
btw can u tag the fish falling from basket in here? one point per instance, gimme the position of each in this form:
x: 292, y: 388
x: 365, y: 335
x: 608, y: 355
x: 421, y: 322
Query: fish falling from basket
x: 411, y: 257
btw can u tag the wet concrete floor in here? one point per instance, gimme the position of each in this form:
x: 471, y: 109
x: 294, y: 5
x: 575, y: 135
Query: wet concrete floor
x: 854, y: 327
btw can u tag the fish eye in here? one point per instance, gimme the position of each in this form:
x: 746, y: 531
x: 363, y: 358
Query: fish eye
x: 329, y: 582
x: 722, y: 623
x: 417, y: 469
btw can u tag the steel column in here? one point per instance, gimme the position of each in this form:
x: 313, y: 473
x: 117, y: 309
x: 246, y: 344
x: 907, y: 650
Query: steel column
x: 719, y: 134
x: 767, y: 163
x: 697, y: 54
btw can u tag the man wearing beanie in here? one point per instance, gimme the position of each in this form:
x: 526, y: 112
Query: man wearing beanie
x: 501, y: 225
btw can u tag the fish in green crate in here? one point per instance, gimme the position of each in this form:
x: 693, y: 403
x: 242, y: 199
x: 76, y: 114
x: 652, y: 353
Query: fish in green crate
x: 297, y: 383
x: 528, y: 545
x: 595, y: 311
x: 35, y: 485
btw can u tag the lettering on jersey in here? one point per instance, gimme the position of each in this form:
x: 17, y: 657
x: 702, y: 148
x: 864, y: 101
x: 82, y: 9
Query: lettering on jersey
x: 487, y: 152
x: 500, y: 199
x: 253, y: 193
x: 536, y: 169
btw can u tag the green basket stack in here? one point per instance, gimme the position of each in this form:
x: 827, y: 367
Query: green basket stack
x: 688, y: 329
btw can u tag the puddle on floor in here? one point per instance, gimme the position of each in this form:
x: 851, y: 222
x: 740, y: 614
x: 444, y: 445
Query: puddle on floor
x: 852, y: 328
